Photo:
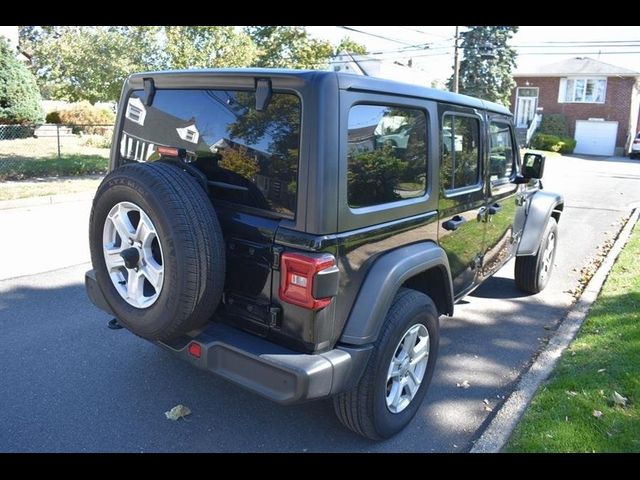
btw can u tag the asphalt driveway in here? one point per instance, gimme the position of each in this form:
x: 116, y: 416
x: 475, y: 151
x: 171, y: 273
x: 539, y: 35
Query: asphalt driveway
x: 71, y: 384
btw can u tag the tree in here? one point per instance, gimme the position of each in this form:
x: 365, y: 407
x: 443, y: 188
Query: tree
x: 202, y: 47
x: 288, y: 47
x: 350, y: 46
x: 487, y: 78
x: 89, y: 63
x: 19, y: 94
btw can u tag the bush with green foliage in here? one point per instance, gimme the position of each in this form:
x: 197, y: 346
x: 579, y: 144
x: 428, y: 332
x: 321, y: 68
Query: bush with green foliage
x: 83, y: 114
x: 554, y: 143
x: 19, y: 94
x: 53, y: 117
x: 554, y: 124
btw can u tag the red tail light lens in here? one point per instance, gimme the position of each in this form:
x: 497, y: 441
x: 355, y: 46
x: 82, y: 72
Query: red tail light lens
x: 297, y: 279
x: 195, y: 350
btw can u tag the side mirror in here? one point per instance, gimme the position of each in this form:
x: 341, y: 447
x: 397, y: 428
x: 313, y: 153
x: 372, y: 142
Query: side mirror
x: 533, y: 165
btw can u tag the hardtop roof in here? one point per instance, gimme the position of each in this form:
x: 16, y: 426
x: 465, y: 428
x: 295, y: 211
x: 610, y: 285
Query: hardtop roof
x: 346, y: 81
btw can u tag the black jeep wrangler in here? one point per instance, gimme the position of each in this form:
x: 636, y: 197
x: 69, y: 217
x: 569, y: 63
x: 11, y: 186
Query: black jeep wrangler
x: 301, y: 232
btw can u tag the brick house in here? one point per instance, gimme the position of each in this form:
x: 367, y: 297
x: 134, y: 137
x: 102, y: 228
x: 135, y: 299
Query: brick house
x: 600, y: 101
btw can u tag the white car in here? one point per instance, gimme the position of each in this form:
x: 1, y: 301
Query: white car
x: 635, y: 147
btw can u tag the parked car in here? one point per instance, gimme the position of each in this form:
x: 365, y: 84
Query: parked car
x: 256, y: 224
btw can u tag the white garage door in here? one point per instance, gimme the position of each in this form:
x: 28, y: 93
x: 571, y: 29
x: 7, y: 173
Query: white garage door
x: 595, y: 138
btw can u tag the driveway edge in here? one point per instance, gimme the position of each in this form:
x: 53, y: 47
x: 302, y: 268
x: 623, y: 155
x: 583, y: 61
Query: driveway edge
x: 496, y: 435
x: 46, y: 200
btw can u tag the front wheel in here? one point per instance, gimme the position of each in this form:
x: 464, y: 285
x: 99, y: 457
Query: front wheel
x: 532, y: 272
x: 399, y: 371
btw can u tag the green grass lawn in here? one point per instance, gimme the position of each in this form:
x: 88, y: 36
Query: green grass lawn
x: 25, y: 158
x: 48, y: 186
x: 605, y: 358
x: 68, y: 165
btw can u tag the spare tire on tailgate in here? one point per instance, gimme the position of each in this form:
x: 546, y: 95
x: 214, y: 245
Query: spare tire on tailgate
x: 157, y: 249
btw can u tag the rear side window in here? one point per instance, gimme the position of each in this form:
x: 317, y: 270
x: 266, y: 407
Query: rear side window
x: 460, y: 166
x: 387, y: 154
x: 249, y: 157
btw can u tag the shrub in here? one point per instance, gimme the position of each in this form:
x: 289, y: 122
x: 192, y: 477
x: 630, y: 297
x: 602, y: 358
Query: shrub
x: 53, y: 117
x: 554, y: 143
x: 19, y: 94
x: 554, y: 124
x: 83, y: 113
x: 98, y: 141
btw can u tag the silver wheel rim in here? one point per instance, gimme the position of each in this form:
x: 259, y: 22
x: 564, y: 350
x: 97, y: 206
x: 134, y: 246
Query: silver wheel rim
x: 547, y: 256
x: 129, y: 229
x: 407, y: 368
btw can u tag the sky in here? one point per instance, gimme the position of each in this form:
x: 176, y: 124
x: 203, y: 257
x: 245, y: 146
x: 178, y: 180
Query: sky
x: 536, y: 45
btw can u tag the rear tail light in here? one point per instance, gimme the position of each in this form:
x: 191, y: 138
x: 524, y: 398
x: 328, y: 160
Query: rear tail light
x: 308, y: 281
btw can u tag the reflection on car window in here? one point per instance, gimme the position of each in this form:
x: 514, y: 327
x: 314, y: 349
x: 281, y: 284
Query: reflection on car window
x: 501, y: 156
x: 387, y: 154
x: 460, y: 152
x: 251, y: 157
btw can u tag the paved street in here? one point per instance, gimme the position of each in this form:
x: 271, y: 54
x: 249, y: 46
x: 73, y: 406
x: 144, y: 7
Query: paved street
x: 71, y: 384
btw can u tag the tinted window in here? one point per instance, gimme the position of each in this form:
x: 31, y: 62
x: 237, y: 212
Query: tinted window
x: 387, y: 154
x: 249, y: 157
x: 501, y: 156
x: 460, y: 152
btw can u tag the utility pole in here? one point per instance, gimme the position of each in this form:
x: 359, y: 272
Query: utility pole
x: 456, y: 62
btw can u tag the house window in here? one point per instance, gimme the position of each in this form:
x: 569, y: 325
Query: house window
x: 582, y: 90
x: 136, y: 111
x: 190, y: 135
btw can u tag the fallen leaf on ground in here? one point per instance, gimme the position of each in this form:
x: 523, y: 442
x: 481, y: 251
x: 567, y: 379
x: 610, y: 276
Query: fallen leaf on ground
x: 571, y: 392
x: 463, y: 384
x: 487, y: 408
x: 177, y: 412
x: 601, y: 370
x: 597, y: 413
x: 619, y: 399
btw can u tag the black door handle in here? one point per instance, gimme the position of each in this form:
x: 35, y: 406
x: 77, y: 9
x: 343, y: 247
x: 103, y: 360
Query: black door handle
x: 453, y: 223
x: 495, y: 208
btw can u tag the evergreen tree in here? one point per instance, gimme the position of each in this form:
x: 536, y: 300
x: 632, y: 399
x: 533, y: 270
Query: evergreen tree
x: 487, y: 78
x: 19, y: 94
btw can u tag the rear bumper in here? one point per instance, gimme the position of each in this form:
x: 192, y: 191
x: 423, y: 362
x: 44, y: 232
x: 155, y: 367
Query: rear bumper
x: 275, y: 372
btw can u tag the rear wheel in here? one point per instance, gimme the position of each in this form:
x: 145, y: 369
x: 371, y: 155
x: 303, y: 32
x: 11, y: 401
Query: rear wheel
x: 532, y: 272
x: 399, y: 371
x: 157, y: 249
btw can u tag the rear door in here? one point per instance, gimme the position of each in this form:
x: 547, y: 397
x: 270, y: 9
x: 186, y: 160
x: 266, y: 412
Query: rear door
x: 250, y: 160
x: 462, y: 197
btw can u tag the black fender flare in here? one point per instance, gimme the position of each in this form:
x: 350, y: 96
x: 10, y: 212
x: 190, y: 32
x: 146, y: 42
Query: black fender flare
x: 385, y: 277
x: 542, y: 205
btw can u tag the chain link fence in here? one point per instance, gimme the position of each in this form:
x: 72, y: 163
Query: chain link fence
x: 22, y: 145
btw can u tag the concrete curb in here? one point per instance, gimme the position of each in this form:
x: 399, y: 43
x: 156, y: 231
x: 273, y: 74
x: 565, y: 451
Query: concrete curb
x: 496, y: 435
x: 46, y: 200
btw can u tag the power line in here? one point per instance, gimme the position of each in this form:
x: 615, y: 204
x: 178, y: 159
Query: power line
x: 427, y: 33
x: 377, y: 36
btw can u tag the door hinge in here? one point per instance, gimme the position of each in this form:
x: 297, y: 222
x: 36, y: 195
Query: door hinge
x: 274, y: 317
x: 275, y: 261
